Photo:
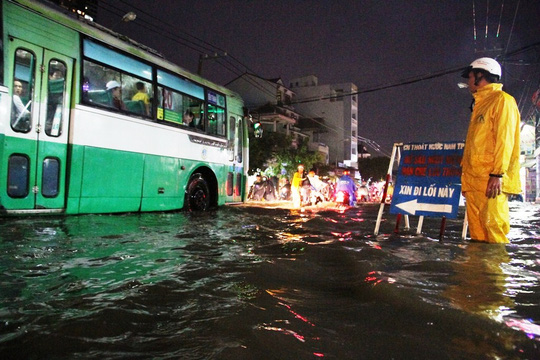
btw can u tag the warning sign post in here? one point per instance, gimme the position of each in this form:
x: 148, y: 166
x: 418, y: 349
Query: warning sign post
x: 428, y: 180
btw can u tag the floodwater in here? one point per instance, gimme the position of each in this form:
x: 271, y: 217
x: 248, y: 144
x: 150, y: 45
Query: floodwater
x: 248, y: 282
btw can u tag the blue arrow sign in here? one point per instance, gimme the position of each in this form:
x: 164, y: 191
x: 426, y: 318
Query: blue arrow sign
x: 428, y: 181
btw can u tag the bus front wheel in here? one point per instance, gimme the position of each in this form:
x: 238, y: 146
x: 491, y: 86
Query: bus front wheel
x: 197, y: 194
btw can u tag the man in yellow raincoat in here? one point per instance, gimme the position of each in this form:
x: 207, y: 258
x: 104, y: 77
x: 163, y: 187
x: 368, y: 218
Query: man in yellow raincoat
x: 490, y: 165
x: 296, y: 184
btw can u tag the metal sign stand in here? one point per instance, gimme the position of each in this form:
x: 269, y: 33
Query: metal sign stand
x: 395, y: 150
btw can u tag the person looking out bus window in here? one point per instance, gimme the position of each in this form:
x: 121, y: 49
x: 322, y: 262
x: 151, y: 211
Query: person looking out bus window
x: 20, y: 116
x: 187, y: 118
x: 55, y: 95
x: 142, y: 95
x: 116, y: 94
x: 56, y: 74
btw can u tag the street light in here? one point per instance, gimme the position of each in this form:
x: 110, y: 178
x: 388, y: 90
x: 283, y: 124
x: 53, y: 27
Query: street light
x: 130, y: 16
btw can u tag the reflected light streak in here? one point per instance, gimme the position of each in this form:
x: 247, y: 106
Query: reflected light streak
x: 372, y: 279
x: 289, y: 307
x: 526, y: 326
x: 297, y: 315
x: 285, y: 331
x: 373, y: 245
x: 342, y: 236
x: 288, y: 237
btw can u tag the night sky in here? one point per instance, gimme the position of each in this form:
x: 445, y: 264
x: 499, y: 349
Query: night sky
x: 369, y: 43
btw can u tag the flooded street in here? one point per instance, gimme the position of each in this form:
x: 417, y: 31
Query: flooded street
x: 248, y: 282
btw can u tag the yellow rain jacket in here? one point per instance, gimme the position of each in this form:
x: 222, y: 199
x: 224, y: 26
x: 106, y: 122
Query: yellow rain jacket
x: 491, y: 147
x: 492, y: 144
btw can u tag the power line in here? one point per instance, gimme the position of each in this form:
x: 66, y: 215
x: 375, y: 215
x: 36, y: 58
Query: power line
x: 512, y: 28
x: 386, y: 86
x: 200, y: 46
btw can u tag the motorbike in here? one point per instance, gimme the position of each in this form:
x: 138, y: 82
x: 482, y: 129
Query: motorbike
x: 285, y: 192
x: 342, y: 198
x: 363, y: 194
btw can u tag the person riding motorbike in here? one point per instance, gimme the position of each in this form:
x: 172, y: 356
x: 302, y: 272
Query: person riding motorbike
x: 347, y: 185
x: 257, y: 190
x: 318, y: 188
x: 363, y: 193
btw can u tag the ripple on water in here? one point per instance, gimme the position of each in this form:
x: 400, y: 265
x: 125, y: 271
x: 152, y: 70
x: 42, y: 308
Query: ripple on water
x: 265, y: 283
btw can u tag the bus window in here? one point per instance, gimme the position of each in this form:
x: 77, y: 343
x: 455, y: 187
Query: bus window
x: 216, y: 120
x: 51, y: 177
x: 18, y: 176
x: 114, y: 89
x: 216, y: 113
x: 180, y: 108
x: 23, y: 88
x: 232, y: 135
x: 55, y: 98
x: 96, y: 78
x: 240, y: 132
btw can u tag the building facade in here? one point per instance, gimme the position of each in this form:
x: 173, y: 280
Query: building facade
x: 337, y: 104
x: 271, y: 102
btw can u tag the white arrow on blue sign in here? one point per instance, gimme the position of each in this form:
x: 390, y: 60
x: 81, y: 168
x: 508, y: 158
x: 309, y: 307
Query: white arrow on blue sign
x: 413, y: 206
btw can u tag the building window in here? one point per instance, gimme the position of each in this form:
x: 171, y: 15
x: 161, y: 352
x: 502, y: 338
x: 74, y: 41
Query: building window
x: 288, y: 99
x: 339, y: 95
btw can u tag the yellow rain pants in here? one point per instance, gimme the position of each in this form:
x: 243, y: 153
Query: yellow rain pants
x: 489, y: 219
x: 491, y: 147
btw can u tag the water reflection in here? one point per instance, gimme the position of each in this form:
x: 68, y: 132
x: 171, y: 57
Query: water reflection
x: 261, y: 284
x: 478, y: 284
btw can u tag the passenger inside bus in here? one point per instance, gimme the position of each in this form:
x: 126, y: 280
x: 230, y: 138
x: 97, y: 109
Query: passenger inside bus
x: 20, y: 115
x: 54, y: 100
x: 198, y: 119
x: 187, y: 118
x: 115, y: 90
x: 142, y: 96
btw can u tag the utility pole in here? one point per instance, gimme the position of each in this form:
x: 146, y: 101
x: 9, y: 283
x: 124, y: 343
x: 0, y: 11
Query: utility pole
x: 203, y: 57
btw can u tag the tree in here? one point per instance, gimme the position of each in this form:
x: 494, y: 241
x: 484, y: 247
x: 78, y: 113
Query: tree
x: 375, y: 168
x: 262, y: 150
x: 273, y: 154
x: 289, y: 158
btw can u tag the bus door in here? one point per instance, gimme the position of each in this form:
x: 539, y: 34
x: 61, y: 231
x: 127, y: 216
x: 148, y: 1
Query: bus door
x: 36, y: 139
x: 235, y: 150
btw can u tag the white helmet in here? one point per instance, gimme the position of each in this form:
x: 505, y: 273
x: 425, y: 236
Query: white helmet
x: 112, y: 84
x: 487, y: 64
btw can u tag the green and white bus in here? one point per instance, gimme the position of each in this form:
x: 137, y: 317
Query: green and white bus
x: 93, y: 122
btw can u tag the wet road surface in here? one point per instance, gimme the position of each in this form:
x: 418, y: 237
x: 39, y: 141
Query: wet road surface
x: 249, y: 282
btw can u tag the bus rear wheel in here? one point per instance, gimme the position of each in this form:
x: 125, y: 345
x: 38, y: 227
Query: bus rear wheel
x: 197, y: 194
